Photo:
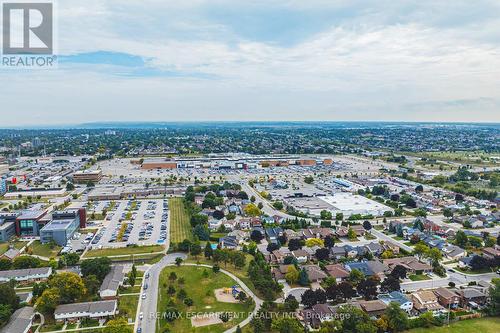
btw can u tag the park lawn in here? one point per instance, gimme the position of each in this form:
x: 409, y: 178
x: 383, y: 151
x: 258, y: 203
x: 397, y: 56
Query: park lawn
x: 180, y: 227
x: 201, y: 290
x: 419, y: 277
x: 127, y: 305
x: 241, y: 273
x: 125, y: 251
x: 51, y: 327
x: 131, y: 290
x: 483, y: 325
x: 71, y: 326
x: 45, y: 250
x: 4, y: 247
x: 19, y: 244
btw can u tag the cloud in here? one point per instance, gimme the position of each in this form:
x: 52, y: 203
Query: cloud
x: 272, y: 60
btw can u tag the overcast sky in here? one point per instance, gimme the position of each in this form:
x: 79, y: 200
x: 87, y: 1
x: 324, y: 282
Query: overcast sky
x: 159, y: 60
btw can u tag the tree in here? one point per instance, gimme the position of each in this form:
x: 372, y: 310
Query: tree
x: 92, y: 284
x: 390, y: 284
x: 287, y: 325
x: 23, y: 262
x: 272, y: 246
x: 256, y: 236
x: 367, y: 288
x: 461, y: 239
x: 100, y: 267
x: 208, y: 251
x: 308, y: 179
x: 399, y: 272
x: 351, y: 234
x: 367, y: 225
x: 202, y: 232
x: 322, y: 254
x: 303, y: 277
x: 421, y: 250
x: 329, y: 242
x: 292, y: 274
x: 447, y: 212
x: 215, y: 268
x: 315, y: 242
x: 479, y: 263
x: 71, y: 259
x: 48, y: 301
x: 419, y: 188
x: 5, y: 264
x: 117, y: 325
x: 252, y: 210
x: 178, y: 261
x: 294, y: 244
x: 5, y: 312
x: 309, y: 298
x: 132, y: 275
x: 356, y: 276
x: 397, y: 318
x: 494, y: 293
x: 346, y: 290
x: 434, y: 256
x: 355, y: 321
x: 70, y: 286
x: 218, y: 214
x: 278, y: 205
x: 8, y: 296
x: 195, y: 249
x: 291, y: 304
x: 325, y: 215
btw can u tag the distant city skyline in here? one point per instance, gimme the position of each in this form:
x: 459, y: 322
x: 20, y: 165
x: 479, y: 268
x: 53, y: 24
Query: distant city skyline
x: 153, y: 61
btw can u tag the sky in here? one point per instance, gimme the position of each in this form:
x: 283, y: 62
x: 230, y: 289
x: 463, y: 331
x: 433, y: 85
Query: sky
x: 231, y: 60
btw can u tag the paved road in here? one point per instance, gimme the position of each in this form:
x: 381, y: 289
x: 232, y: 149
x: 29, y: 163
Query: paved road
x: 456, y: 277
x: 384, y: 237
x: 148, y: 306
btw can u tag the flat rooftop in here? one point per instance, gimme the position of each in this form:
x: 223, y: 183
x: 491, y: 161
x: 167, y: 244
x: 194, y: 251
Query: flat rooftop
x: 31, y: 214
x: 58, y: 224
x: 349, y: 201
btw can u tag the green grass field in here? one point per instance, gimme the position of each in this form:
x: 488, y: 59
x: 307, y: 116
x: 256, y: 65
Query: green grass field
x: 180, y: 228
x: 45, y: 250
x: 124, y: 251
x: 419, y: 277
x: 127, y: 305
x: 482, y: 325
x: 201, y: 290
x: 240, y: 273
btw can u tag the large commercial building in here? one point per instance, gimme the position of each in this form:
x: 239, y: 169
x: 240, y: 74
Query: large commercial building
x: 232, y: 162
x: 30, y: 222
x: 346, y: 203
x: 3, y: 186
x: 7, y: 226
x: 63, y: 226
x: 86, y: 176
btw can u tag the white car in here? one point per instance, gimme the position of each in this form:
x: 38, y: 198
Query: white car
x: 143, y: 296
x: 141, y: 315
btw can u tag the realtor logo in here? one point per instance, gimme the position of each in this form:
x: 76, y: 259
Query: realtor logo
x: 28, y: 34
x: 27, y: 28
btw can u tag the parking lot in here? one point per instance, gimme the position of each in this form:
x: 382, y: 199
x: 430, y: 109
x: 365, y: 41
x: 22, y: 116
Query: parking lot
x: 127, y: 222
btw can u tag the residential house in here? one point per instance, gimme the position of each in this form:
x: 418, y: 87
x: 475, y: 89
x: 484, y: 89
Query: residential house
x: 491, y: 252
x: 337, y: 271
x: 453, y: 252
x: 341, y: 231
x: 277, y: 256
x: 279, y: 273
x: 28, y: 274
x: 358, y: 229
x: 447, y: 298
x: 338, y: 252
x: 317, y: 314
x: 229, y: 242
x: 398, y: 297
x: 290, y: 234
x: 373, y: 308
x: 301, y: 255
x: 20, y: 321
x: 426, y: 300
x: 274, y: 233
x: 369, y: 268
x: 244, y: 224
x: 471, y: 297
x: 112, y: 282
x: 94, y: 310
x: 412, y: 265
x: 315, y: 273
x: 465, y: 262
x: 374, y: 248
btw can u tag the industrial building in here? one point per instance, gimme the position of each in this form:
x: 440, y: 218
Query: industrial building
x: 7, y: 226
